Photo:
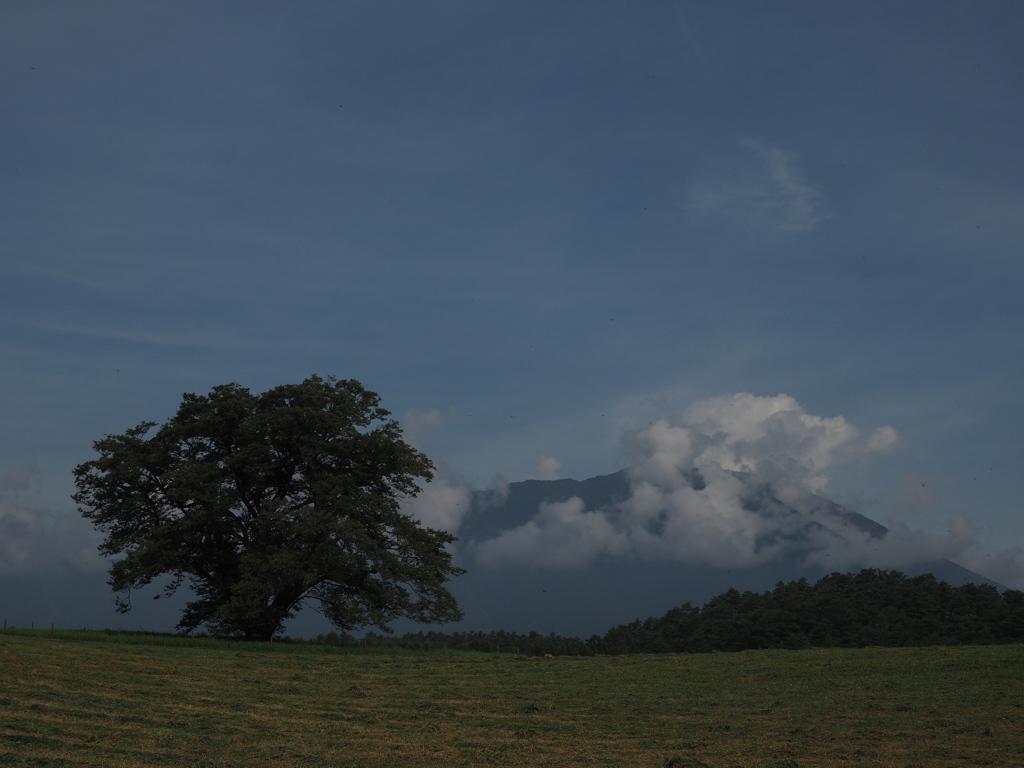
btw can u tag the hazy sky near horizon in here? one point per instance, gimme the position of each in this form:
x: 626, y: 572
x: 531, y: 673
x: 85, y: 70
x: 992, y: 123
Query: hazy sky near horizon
x: 534, y: 228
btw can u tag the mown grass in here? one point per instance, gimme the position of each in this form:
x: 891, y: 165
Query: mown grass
x: 66, y: 701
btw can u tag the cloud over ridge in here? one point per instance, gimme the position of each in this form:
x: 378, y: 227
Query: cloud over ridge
x: 734, y: 482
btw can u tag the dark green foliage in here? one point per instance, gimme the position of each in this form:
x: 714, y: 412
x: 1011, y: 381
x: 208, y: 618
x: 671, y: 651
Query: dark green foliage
x: 266, y: 503
x: 873, y: 607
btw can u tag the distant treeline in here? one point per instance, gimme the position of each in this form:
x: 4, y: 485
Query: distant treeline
x: 873, y: 607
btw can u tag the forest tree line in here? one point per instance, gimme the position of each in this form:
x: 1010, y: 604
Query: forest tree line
x: 870, y: 608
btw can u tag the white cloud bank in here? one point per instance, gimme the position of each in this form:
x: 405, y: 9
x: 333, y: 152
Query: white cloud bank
x: 37, y: 540
x: 734, y: 483
x: 441, y: 504
x: 444, y: 501
x: 548, y: 468
x: 563, y: 535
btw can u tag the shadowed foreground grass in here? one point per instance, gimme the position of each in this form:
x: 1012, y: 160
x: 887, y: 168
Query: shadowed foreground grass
x: 67, y: 701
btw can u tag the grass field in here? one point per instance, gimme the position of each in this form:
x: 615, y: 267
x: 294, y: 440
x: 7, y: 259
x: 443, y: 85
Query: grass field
x: 77, y: 699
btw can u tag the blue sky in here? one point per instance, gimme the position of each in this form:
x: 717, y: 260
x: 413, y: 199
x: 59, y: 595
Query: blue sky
x: 533, y: 228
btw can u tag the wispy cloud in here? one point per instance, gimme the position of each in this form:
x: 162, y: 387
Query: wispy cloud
x: 768, y: 191
x: 157, y: 338
x: 419, y: 425
x: 686, y: 30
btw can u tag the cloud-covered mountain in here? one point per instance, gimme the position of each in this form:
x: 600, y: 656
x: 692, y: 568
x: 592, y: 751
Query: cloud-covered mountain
x: 517, y: 581
x: 730, y: 494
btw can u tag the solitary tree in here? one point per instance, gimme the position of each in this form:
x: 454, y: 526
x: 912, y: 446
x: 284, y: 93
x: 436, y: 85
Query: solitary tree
x: 267, y: 503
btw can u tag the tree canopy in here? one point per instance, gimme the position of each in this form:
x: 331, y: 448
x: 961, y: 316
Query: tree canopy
x: 268, y: 503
